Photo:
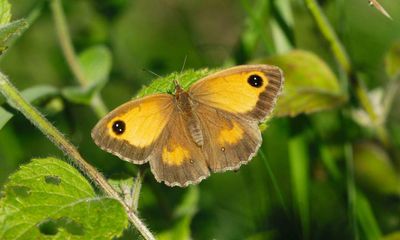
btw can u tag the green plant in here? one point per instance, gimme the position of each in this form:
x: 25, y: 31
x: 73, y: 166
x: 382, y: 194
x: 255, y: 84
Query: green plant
x: 329, y: 164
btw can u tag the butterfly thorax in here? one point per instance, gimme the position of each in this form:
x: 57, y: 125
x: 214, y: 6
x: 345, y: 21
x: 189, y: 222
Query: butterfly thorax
x: 186, y: 108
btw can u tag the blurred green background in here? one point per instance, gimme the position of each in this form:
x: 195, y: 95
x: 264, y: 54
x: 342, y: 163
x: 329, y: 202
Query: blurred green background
x: 324, y: 175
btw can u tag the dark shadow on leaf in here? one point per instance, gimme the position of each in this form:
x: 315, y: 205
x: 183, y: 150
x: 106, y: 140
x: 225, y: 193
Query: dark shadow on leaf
x: 52, y: 180
x: 50, y: 226
x: 20, y: 191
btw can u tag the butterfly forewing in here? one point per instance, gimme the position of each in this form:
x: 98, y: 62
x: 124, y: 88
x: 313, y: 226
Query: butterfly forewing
x: 249, y: 90
x: 132, y: 130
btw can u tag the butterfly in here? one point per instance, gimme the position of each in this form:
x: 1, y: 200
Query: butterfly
x: 186, y: 135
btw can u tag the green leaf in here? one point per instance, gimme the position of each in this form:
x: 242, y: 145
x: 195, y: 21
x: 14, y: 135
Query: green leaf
x: 392, y: 60
x: 310, y: 86
x: 4, y: 117
x: 49, y: 199
x: 267, y: 235
x: 96, y: 64
x: 5, y: 12
x: 166, y: 84
x: 188, y: 206
x: 79, y: 95
x: 9, y: 31
x: 185, y: 213
x: 44, y: 96
x: 53, y: 106
x: 39, y: 93
x: 373, y: 169
x: 392, y: 236
x: 126, y: 189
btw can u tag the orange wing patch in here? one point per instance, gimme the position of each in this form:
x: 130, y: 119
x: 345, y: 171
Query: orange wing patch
x: 175, y: 156
x: 143, y: 123
x: 231, y: 92
x: 230, y: 135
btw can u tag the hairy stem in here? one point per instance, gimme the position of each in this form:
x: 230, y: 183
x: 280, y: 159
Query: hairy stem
x: 32, y: 114
x: 64, y: 37
x: 137, y: 187
x: 70, y: 55
x: 342, y: 58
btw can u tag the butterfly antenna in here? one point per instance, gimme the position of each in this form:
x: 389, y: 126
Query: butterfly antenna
x: 155, y: 74
x: 176, y: 82
x: 184, y: 63
x: 151, y: 72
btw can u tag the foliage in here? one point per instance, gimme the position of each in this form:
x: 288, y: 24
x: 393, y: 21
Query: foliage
x: 330, y: 160
x: 96, y: 66
x: 310, y: 85
x: 49, y: 198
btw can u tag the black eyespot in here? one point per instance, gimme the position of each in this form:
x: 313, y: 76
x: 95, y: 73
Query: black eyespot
x: 118, y: 127
x: 255, y: 81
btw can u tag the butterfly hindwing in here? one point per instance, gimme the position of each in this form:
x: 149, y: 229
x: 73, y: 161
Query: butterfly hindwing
x: 230, y: 141
x: 178, y: 161
x: 132, y: 130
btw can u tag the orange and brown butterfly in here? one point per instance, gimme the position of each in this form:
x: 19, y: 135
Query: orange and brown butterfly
x: 187, y: 134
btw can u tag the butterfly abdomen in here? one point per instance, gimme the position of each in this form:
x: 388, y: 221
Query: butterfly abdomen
x: 195, y: 131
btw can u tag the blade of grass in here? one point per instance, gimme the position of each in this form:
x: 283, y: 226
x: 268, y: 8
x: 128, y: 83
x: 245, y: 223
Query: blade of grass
x: 351, y: 190
x: 299, y: 169
x: 274, y: 182
x: 366, y: 218
x: 361, y: 216
x: 281, y: 25
x: 329, y: 162
x: 327, y: 31
x: 257, y: 13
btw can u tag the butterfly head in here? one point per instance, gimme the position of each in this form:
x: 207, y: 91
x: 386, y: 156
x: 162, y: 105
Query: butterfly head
x: 178, y: 88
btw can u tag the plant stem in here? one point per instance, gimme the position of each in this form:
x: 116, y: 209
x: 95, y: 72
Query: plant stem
x: 70, y: 56
x: 342, y: 58
x: 137, y: 187
x: 33, y: 115
x: 327, y: 31
x: 64, y: 37
x: 98, y: 106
